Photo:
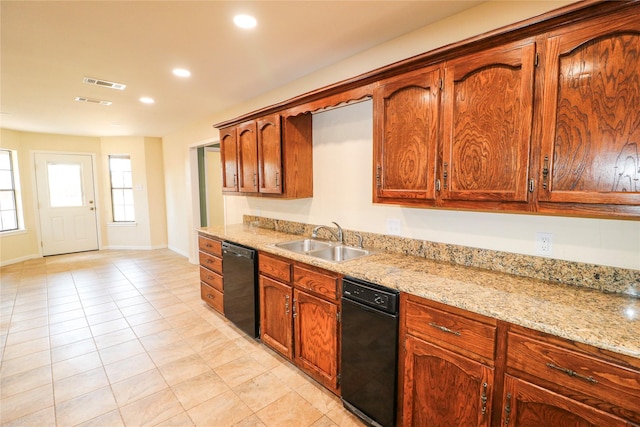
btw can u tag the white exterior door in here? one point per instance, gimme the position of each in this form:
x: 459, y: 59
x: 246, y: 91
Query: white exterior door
x: 66, y: 201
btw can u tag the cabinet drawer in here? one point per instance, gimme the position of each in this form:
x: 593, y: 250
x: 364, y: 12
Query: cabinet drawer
x: 274, y: 267
x: 315, y: 281
x: 211, y: 262
x: 210, y: 278
x: 214, y: 247
x: 211, y: 296
x: 565, y: 371
x: 454, y: 332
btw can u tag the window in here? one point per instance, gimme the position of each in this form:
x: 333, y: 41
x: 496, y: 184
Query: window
x: 121, y: 188
x: 8, y: 203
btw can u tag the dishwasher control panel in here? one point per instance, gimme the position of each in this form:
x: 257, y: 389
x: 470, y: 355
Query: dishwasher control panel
x: 370, y: 294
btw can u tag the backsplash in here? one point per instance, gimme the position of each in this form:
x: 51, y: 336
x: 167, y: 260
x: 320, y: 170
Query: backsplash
x: 603, y: 278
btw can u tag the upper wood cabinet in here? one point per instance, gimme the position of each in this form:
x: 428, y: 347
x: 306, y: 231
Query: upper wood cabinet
x: 247, y: 157
x: 487, y: 122
x: 406, y: 112
x: 591, y: 134
x: 229, y: 159
x: 268, y: 156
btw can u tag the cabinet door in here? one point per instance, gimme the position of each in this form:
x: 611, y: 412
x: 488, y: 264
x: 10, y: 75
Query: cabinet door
x: 591, y: 136
x: 275, y: 316
x: 527, y: 405
x: 316, y: 337
x: 228, y: 158
x: 405, y: 134
x: 442, y: 388
x: 270, y: 154
x: 488, y: 102
x: 247, y: 158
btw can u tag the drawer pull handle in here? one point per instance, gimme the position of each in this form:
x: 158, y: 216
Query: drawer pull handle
x: 209, y: 261
x: 444, y: 329
x: 210, y: 296
x: 573, y: 373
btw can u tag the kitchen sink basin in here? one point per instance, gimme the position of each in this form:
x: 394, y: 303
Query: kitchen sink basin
x: 322, y: 249
x: 340, y: 253
x: 303, y: 245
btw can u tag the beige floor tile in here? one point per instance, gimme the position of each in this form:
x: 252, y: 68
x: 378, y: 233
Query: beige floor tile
x: 290, y: 375
x: 42, y: 418
x: 180, y: 420
x: 135, y: 365
x: 251, y: 421
x: 114, y: 338
x: 239, y: 370
x: 96, y: 319
x: 291, y: 410
x: 138, y: 386
x: 104, y: 304
x: 206, y: 341
x: 110, y: 419
x: 170, y: 353
x: 27, y: 335
x: 222, y: 354
x: 267, y: 357
x: 25, y: 381
x: 70, y: 337
x: 261, y: 391
x: 61, y: 308
x: 25, y: 363
x: 29, y: 313
x: 25, y: 325
x: 85, y: 407
x: 25, y: 348
x: 77, y: 385
x: 68, y: 325
x: 108, y: 327
x: 321, y: 398
x: 121, y: 351
x: 66, y: 315
x: 223, y: 410
x: 75, y: 349
x: 76, y: 365
x: 160, y: 339
x: 324, y: 422
x: 343, y: 418
x: 25, y: 403
x: 198, y: 389
x: 182, y: 369
x: 152, y: 410
x: 130, y: 310
x: 145, y: 317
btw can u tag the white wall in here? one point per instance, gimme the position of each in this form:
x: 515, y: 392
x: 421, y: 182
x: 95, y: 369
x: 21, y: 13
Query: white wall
x: 342, y: 180
x: 342, y: 187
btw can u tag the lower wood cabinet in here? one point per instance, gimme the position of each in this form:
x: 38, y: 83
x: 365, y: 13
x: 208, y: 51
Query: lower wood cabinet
x: 446, y: 377
x: 210, y: 258
x: 299, y: 309
x: 462, y: 369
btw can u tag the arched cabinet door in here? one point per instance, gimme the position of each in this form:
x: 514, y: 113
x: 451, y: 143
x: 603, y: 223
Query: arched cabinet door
x: 247, y: 157
x: 228, y: 158
x: 591, y: 133
x: 406, y: 112
x: 487, y: 124
x: 270, y: 154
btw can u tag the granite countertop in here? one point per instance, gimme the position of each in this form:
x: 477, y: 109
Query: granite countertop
x: 604, y: 320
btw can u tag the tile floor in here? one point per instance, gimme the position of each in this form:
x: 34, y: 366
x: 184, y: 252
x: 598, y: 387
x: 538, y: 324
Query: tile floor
x: 115, y: 338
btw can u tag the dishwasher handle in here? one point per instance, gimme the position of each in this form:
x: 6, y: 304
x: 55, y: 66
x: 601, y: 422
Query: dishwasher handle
x: 229, y: 248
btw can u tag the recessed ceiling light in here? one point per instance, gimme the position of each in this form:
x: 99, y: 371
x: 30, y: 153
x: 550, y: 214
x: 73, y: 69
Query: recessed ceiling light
x: 181, y: 72
x: 147, y: 100
x: 245, y: 21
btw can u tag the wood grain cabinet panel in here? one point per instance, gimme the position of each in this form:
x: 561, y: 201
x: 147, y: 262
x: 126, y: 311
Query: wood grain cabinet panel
x: 212, y: 297
x: 247, y: 157
x: 229, y: 159
x: 211, y: 283
x: 591, y: 137
x: 527, y: 405
x: 210, y: 246
x: 269, y: 154
x: 276, y: 311
x: 406, y: 114
x: 487, y: 124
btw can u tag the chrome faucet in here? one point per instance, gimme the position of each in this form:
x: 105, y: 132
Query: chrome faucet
x: 338, y: 236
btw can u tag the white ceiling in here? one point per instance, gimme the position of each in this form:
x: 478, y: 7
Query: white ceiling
x: 48, y: 47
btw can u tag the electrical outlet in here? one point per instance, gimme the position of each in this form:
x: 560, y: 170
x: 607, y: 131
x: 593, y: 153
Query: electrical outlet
x: 544, y: 244
x: 394, y: 227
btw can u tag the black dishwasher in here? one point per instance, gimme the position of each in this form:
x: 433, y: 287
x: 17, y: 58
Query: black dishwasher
x: 369, y: 351
x: 240, y: 283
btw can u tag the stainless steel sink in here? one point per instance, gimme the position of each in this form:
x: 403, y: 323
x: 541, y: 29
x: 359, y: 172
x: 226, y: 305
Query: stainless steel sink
x: 303, y: 245
x: 322, y: 249
x: 340, y: 253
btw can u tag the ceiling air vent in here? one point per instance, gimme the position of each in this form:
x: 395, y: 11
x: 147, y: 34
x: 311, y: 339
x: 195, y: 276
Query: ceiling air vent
x: 103, y: 83
x: 92, y: 101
